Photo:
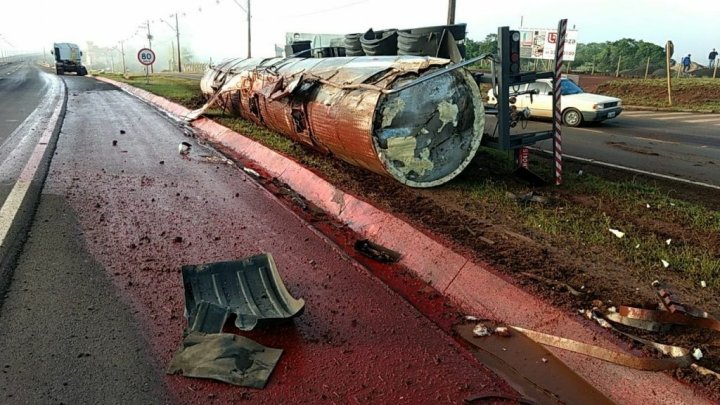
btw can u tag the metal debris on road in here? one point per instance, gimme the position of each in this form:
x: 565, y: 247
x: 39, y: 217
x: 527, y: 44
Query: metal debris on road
x: 184, y: 148
x: 250, y: 288
x: 377, y: 252
x: 225, y: 357
x: 251, y: 171
x: 480, y: 330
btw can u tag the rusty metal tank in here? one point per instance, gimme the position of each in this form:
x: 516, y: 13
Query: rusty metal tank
x: 422, y: 136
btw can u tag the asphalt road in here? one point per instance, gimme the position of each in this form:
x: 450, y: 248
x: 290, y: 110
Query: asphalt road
x: 26, y: 101
x: 683, y: 145
x: 95, y: 309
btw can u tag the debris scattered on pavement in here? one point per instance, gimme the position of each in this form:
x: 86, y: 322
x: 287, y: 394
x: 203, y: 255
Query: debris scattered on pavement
x: 184, y: 148
x: 617, y: 233
x: 251, y: 171
x: 544, y: 360
x: 251, y: 289
x: 480, y: 330
x: 216, y: 159
x: 162, y: 162
x: 225, y: 357
x: 502, y: 331
x: 377, y: 252
x: 114, y: 142
x: 539, y: 382
x: 122, y: 131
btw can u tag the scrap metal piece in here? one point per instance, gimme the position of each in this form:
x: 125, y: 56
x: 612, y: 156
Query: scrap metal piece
x: 225, y: 357
x: 377, y: 252
x: 422, y: 135
x: 518, y: 360
x: 250, y: 288
x: 679, y: 357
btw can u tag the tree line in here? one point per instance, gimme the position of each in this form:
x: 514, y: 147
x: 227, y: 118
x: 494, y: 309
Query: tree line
x: 598, y: 56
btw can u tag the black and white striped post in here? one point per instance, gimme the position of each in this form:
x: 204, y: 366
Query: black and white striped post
x: 557, y: 116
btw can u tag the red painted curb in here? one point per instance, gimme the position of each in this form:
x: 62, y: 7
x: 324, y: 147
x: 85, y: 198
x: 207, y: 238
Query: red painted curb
x: 471, y: 285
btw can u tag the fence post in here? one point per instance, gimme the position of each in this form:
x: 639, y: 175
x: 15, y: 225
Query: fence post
x: 617, y: 72
x: 593, y: 67
x: 647, y: 67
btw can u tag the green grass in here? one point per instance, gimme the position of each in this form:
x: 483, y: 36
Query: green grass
x: 180, y: 90
x: 562, y: 223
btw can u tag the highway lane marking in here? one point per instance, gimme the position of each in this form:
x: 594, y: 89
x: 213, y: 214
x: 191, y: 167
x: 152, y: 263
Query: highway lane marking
x: 590, y: 130
x: 630, y: 169
x: 673, y: 117
x: 15, y: 199
x: 655, y: 140
x: 703, y: 120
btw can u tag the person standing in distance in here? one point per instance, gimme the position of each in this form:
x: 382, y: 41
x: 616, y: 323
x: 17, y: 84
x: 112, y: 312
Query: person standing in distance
x: 686, y: 63
x: 711, y: 58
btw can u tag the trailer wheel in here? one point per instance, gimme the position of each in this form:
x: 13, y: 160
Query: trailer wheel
x: 572, y: 117
x: 81, y: 71
x: 60, y: 71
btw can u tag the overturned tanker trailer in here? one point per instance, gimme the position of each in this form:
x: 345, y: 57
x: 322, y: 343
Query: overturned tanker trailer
x: 357, y: 109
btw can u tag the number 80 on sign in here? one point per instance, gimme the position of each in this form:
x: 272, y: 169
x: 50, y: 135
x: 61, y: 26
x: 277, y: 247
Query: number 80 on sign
x: 146, y: 56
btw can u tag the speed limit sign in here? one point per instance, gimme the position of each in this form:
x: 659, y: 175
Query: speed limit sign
x: 146, y: 56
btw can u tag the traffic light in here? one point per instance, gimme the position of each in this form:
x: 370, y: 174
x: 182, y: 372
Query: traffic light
x: 514, y: 52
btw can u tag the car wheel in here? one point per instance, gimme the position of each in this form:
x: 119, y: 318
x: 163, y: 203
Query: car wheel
x: 572, y: 117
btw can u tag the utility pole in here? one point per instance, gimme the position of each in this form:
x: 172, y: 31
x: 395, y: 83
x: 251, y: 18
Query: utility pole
x: 249, y: 30
x: 451, y: 12
x: 247, y: 11
x: 177, y: 35
x: 122, y: 51
x: 149, y: 38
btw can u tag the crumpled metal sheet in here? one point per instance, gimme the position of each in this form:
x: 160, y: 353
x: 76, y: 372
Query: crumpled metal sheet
x: 225, y: 357
x: 422, y: 136
x: 250, y: 288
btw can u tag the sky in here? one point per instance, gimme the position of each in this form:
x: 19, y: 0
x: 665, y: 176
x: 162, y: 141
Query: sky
x: 217, y: 29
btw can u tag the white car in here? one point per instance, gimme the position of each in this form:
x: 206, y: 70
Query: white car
x: 577, y: 106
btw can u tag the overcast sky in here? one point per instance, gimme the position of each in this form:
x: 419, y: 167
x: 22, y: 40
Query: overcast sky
x: 217, y: 28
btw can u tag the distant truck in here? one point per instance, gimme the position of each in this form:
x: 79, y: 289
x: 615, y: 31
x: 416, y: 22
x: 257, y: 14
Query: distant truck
x: 68, y: 58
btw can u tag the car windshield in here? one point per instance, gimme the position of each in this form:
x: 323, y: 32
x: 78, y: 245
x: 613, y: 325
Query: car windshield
x: 568, y: 87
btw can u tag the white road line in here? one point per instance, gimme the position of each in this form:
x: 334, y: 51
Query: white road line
x: 630, y: 169
x: 15, y: 199
x: 703, y: 120
x: 638, y: 112
x: 590, y: 130
x: 655, y: 140
x: 673, y: 117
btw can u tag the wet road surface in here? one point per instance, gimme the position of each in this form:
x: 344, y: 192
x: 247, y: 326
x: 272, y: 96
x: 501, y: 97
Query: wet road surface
x: 121, y: 211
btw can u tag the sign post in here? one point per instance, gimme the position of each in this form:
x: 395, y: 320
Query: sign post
x: 557, y: 115
x: 147, y: 57
x: 669, y: 50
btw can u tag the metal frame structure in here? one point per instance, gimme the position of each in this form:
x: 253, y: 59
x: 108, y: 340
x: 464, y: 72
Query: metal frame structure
x: 503, y: 81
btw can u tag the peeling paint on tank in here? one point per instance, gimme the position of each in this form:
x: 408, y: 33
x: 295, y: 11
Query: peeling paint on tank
x: 448, y: 113
x: 402, y: 149
x: 392, y: 109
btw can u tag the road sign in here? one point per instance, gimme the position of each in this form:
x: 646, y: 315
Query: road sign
x: 146, y: 56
